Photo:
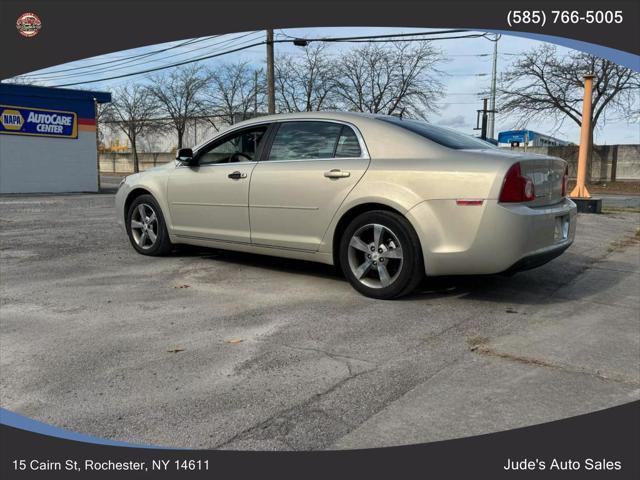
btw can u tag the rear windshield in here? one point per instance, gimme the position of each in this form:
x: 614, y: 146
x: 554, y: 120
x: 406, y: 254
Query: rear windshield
x: 443, y: 136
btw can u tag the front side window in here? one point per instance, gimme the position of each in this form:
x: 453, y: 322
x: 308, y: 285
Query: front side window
x: 239, y: 147
x: 313, y: 140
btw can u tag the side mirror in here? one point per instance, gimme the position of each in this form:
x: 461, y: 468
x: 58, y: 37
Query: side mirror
x: 185, y: 155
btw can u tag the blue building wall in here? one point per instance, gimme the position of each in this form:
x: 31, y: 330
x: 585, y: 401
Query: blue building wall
x: 41, y: 152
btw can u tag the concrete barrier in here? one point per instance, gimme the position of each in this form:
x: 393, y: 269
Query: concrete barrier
x: 123, y: 162
x: 608, y: 162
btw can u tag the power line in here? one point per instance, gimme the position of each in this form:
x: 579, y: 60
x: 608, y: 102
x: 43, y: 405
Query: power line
x: 218, y: 43
x: 376, y: 37
x: 466, y: 74
x: 120, y: 59
x: 396, y: 35
x: 132, y: 63
x: 163, y: 67
x: 468, y: 54
x: 124, y: 60
x: 472, y: 35
x: 120, y: 67
x: 325, y: 39
x: 124, y: 65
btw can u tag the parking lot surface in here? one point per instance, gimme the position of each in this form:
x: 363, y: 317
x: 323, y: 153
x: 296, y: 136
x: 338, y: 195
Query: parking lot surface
x: 212, y: 349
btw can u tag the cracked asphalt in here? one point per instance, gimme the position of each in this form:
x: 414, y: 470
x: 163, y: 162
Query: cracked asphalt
x: 212, y: 349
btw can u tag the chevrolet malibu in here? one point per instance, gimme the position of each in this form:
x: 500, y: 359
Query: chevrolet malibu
x: 387, y: 200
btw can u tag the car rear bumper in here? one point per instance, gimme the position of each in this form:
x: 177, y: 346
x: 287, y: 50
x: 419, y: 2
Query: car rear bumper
x: 492, y: 237
x: 537, y: 259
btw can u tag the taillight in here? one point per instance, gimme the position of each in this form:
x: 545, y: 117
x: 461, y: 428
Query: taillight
x: 516, y: 187
x: 565, y: 181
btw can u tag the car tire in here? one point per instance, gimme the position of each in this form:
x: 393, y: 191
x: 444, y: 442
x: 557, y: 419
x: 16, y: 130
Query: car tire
x: 146, y: 227
x: 381, y: 256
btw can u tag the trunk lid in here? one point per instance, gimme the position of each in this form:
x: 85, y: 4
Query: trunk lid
x: 547, y: 175
x: 546, y: 172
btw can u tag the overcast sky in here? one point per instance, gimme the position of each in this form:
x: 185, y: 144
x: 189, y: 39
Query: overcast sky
x: 467, y: 74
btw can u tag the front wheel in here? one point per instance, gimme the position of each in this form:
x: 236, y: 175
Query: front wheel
x: 146, y: 228
x: 380, y: 255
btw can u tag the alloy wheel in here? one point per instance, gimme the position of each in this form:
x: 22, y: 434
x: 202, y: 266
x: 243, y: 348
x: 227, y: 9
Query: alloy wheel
x: 144, y: 226
x: 375, y: 256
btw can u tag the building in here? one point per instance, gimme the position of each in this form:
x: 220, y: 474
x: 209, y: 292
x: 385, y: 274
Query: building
x: 528, y: 138
x: 48, y: 139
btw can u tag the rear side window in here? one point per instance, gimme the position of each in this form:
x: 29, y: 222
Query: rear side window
x: 348, y: 145
x: 313, y: 140
x: 443, y: 136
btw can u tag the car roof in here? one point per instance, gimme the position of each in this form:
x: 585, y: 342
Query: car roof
x: 350, y: 117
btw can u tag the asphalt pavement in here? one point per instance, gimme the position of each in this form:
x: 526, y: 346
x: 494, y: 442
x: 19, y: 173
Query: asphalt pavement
x: 213, y: 349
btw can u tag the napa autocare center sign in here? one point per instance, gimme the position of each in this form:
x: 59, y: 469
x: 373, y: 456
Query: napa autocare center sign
x: 39, y: 122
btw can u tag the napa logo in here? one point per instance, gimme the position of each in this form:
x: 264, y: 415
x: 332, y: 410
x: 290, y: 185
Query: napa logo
x: 38, y: 122
x: 11, y: 119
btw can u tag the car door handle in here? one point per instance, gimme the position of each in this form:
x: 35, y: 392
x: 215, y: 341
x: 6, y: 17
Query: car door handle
x: 337, y: 173
x: 237, y: 175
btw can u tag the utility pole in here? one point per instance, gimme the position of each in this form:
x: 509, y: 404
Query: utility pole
x: 95, y: 115
x: 481, y: 120
x: 483, y: 130
x: 271, y: 89
x: 492, y: 104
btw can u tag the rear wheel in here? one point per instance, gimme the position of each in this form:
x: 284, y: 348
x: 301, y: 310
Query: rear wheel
x: 380, y: 255
x: 146, y: 228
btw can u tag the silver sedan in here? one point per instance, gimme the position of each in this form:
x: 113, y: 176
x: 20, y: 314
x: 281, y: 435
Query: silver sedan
x: 387, y: 200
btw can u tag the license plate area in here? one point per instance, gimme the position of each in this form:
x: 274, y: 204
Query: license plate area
x: 561, y: 230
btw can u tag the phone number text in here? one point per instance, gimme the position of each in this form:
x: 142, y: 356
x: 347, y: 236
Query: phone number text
x: 540, y: 17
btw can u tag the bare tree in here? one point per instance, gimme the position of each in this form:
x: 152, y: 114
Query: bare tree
x: 306, y: 83
x: 544, y: 84
x: 133, y: 110
x: 102, y: 113
x: 398, y: 78
x: 180, y: 95
x: 236, y: 91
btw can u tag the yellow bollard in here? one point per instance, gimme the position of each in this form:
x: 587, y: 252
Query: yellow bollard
x: 580, y: 190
